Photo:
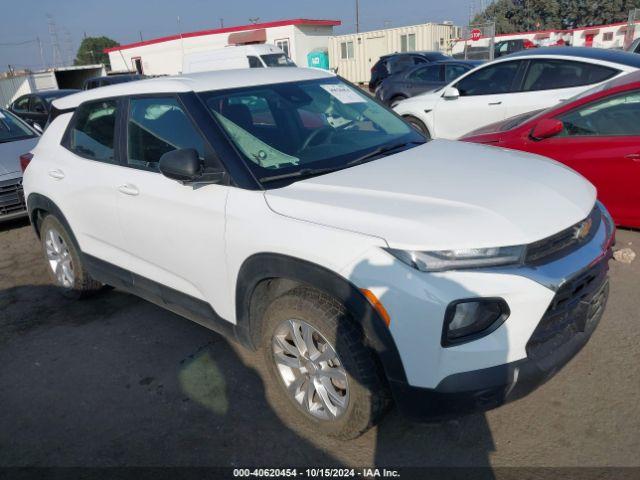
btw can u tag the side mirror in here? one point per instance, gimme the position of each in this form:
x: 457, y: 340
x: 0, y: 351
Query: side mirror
x: 451, y: 93
x: 546, y: 128
x: 183, y: 165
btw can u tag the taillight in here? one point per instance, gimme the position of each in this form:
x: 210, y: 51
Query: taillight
x: 25, y: 159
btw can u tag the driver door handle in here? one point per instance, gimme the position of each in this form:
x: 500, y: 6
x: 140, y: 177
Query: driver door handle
x: 633, y: 156
x: 129, y: 189
x: 495, y: 103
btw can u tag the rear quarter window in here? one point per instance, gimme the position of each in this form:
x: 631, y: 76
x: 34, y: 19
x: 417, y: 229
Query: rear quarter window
x: 547, y: 74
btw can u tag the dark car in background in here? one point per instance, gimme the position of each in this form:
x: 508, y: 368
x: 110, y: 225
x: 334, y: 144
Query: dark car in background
x: 111, y: 80
x: 395, y: 63
x: 34, y: 108
x: 504, y: 47
x: 422, y: 78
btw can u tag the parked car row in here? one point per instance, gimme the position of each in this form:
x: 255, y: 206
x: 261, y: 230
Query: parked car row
x: 591, y: 123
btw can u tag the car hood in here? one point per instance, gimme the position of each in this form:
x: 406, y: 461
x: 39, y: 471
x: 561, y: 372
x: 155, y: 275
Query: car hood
x: 444, y: 195
x: 10, y: 154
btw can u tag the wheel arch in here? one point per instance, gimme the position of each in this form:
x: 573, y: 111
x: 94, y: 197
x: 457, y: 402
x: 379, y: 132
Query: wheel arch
x: 264, y: 276
x: 38, y: 206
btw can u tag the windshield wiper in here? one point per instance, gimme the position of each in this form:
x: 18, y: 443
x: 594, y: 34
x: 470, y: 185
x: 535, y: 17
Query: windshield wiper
x: 379, y: 151
x: 310, y: 172
x: 303, y: 172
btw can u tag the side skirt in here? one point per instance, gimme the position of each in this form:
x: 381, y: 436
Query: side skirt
x: 177, y: 302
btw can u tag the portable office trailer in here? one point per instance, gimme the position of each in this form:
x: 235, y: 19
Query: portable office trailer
x: 164, y: 56
x: 354, y: 54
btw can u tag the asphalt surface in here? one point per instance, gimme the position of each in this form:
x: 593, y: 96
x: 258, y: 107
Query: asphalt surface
x: 115, y: 380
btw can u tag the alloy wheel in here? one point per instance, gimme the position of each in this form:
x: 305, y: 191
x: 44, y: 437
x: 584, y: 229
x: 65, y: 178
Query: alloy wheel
x: 310, y: 369
x: 59, y: 258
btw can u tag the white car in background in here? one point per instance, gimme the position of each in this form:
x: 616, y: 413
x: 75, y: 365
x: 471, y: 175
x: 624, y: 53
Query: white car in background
x: 519, y: 83
x: 287, y: 209
x: 236, y: 56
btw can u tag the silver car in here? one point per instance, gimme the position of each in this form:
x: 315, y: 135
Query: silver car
x: 16, y: 138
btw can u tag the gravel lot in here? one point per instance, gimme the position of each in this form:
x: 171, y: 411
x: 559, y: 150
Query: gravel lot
x: 115, y: 380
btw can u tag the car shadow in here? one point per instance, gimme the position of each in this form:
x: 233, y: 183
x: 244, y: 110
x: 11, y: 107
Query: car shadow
x: 114, y: 380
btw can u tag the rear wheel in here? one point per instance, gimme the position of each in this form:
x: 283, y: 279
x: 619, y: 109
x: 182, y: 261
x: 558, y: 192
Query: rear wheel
x: 418, y: 125
x: 65, y: 265
x: 322, y: 369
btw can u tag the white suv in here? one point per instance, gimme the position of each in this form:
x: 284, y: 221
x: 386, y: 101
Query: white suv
x: 290, y: 211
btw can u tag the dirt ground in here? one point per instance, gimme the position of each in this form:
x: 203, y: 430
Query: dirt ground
x: 115, y: 380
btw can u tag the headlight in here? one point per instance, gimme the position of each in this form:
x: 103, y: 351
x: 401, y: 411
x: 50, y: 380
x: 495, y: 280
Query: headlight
x: 438, y: 261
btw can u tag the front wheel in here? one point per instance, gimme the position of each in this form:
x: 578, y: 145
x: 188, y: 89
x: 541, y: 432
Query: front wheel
x: 418, y: 125
x: 316, y: 356
x: 65, y: 265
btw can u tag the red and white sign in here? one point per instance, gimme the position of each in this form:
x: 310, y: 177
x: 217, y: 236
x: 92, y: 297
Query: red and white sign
x: 476, y: 33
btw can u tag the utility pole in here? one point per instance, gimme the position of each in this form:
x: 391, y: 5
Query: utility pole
x: 357, y: 16
x: 41, y: 53
x: 55, y: 45
x: 222, y: 23
x: 140, y: 32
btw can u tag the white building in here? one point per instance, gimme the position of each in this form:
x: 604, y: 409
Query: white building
x: 163, y: 56
x: 354, y: 54
x: 599, y: 36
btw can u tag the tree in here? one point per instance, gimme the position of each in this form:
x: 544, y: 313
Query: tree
x: 91, y: 51
x: 524, y: 15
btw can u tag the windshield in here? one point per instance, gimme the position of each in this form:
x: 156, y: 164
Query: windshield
x: 277, y: 60
x: 11, y: 128
x: 319, y: 124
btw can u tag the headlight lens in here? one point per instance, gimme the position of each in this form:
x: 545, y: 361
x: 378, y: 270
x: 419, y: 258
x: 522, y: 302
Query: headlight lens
x: 438, y: 261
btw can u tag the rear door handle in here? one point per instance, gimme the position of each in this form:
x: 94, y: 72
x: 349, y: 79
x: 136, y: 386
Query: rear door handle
x: 57, y: 174
x: 633, y: 156
x: 495, y: 103
x: 129, y: 189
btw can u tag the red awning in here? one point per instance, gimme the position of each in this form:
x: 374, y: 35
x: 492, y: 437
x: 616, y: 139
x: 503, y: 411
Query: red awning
x: 540, y: 36
x: 591, y: 31
x: 252, y: 36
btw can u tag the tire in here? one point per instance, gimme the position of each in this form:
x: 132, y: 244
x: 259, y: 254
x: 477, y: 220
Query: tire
x: 64, y: 261
x: 418, y: 125
x: 363, y: 392
x: 395, y: 100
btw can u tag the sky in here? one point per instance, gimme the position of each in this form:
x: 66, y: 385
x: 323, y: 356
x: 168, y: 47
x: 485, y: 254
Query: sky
x: 22, y: 21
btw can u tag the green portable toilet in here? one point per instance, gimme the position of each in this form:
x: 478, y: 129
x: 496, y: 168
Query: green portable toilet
x: 318, y: 58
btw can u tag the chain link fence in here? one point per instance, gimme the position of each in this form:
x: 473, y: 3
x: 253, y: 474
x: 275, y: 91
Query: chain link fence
x: 478, y: 40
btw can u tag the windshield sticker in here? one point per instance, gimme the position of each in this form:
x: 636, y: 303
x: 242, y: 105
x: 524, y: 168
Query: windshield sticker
x: 343, y: 93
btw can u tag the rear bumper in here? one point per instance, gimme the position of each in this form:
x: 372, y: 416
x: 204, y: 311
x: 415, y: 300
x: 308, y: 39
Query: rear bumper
x: 560, y: 335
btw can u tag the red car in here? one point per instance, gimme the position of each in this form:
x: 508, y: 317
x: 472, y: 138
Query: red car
x: 596, y: 133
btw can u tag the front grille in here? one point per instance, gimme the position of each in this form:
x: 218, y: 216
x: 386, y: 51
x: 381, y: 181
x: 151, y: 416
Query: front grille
x: 575, y: 309
x: 562, y: 243
x: 11, y: 197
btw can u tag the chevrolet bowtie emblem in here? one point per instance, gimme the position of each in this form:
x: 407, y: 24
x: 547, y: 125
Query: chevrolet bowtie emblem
x: 582, y: 231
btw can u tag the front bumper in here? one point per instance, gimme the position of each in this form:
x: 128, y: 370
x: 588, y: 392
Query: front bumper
x: 551, y: 318
x: 562, y: 332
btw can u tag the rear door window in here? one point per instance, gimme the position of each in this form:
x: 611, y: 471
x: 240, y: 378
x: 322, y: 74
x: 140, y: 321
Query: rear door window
x: 92, y: 132
x: 548, y: 74
x: 156, y: 126
x: 22, y: 104
x: 429, y: 73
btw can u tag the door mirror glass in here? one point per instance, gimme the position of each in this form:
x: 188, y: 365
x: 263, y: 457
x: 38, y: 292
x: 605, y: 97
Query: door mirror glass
x: 183, y: 165
x: 546, y: 128
x: 451, y: 93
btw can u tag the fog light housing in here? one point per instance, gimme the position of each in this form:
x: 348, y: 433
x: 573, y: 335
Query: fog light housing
x: 471, y: 319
